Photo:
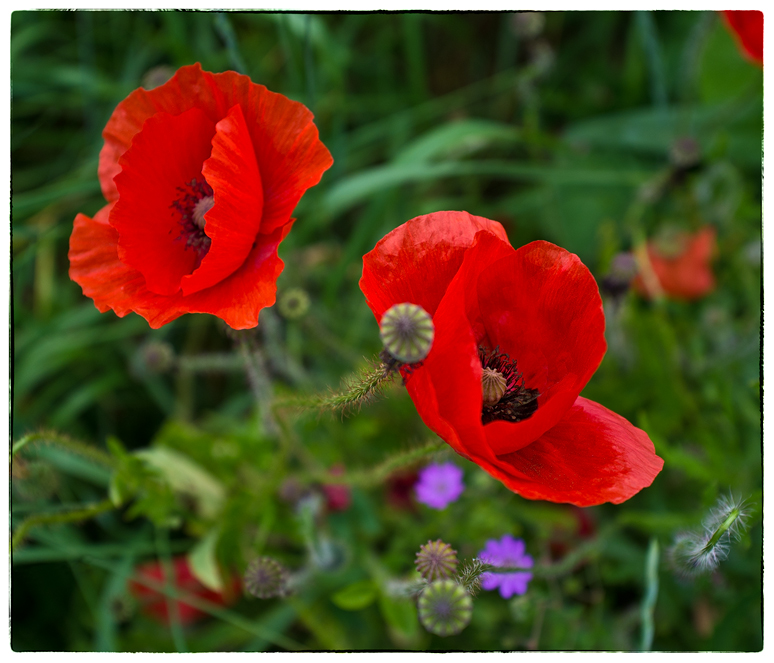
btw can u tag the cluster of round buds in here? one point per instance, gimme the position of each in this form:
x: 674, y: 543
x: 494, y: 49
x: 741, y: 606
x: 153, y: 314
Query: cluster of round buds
x: 266, y: 578
x: 435, y: 560
x: 407, y: 332
x: 444, y: 607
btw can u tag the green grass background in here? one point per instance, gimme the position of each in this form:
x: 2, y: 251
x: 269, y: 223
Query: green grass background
x: 553, y: 135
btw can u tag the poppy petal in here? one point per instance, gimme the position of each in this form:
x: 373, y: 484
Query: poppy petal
x: 166, y: 155
x: 541, y: 306
x: 290, y: 156
x: 417, y: 261
x: 747, y: 27
x: 235, y: 217
x: 94, y: 265
x: 239, y: 298
x: 591, y: 456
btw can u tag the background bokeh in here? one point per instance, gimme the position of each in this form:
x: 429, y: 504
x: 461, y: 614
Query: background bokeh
x: 593, y: 130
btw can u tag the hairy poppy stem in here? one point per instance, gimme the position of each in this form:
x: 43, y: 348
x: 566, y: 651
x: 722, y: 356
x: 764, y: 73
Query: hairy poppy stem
x: 48, y: 437
x: 257, y: 376
x: 74, y: 516
x: 357, y: 391
x: 379, y: 473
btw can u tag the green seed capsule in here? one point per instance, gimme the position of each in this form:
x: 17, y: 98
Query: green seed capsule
x: 444, y: 607
x: 407, y: 332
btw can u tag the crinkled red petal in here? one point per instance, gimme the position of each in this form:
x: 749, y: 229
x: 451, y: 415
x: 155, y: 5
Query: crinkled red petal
x: 238, y: 299
x: 747, y: 27
x: 290, y: 156
x: 235, y: 218
x: 165, y: 156
x: 417, y: 261
x: 591, y: 456
x: 541, y: 306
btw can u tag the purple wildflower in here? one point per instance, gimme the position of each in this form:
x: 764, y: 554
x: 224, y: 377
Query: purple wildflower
x: 507, y: 552
x: 439, y: 485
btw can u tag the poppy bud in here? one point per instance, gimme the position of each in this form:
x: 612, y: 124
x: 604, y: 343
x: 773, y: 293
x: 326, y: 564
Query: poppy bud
x: 265, y: 578
x: 407, y: 332
x: 153, y: 358
x: 435, y: 560
x: 445, y: 608
x: 293, y: 304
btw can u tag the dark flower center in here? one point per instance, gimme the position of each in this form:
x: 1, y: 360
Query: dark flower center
x: 505, y: 398
x: 196, y: 199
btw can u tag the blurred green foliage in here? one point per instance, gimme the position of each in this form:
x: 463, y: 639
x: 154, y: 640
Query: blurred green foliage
x: 556, y: 129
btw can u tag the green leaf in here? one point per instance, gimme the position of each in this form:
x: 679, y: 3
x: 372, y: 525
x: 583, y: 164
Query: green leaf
x: 457, y: 138
x: 185, y: 476
x: 203, y: 562
x: 401, y: 616
x: 356, y: 596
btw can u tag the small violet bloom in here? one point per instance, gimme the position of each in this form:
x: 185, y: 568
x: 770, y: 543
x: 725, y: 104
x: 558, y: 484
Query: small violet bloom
x: 439, y: 485
x: 507, y: 552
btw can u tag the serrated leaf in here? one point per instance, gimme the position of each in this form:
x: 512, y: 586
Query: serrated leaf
x: 356, y: 596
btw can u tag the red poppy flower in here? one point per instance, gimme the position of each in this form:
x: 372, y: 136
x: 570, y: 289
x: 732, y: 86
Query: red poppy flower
x: 747, y: 28
x: 682, y: 268
x: 154, y: 603
x: 534, y: 317
x: 201, y: 176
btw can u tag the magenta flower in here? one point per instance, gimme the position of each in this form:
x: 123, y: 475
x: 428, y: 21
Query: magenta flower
x: 439, y: 485
x: 507, y: 552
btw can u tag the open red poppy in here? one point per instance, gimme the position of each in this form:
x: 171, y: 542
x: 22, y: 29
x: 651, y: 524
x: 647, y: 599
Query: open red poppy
x: 683, y: 270
x: 154, y: 603
x: 201, y: 176
x: 747, y: 28
x: 493, y: 305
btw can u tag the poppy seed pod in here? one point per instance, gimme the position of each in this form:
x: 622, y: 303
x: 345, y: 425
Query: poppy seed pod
x: 445, y: 608
x: 435, y: 560
x: 407, y: 332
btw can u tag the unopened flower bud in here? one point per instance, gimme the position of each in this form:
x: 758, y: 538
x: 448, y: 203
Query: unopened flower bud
x: 407, y: 332
x: 265, y: 578
x: 436, y: 560
x: 154, y: 357
x: 444, y: 607
x: 293, y: 304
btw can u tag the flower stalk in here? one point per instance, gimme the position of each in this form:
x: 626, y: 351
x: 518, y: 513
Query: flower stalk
x: 73, y: 516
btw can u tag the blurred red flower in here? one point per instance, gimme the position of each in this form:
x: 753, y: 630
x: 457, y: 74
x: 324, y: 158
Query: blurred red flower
x: 682, y: 268
x: 747, y: 28
x: 154, y: 603
x: 201, y: 176
x: 338, y: 497
x: 533, y: 311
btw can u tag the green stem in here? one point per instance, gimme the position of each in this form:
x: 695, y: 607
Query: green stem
x: 651, y: 593
x: 721, y: 530
x: 257, y: 376
x: 379, y: 473
x: 76, y: 515
x: 358, y: 391
x: 563, y: 567
x: 66, y: 442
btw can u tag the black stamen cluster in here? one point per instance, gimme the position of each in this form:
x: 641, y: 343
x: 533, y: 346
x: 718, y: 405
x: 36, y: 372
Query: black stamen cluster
x: 194, y: 236
x: 518, y: 402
